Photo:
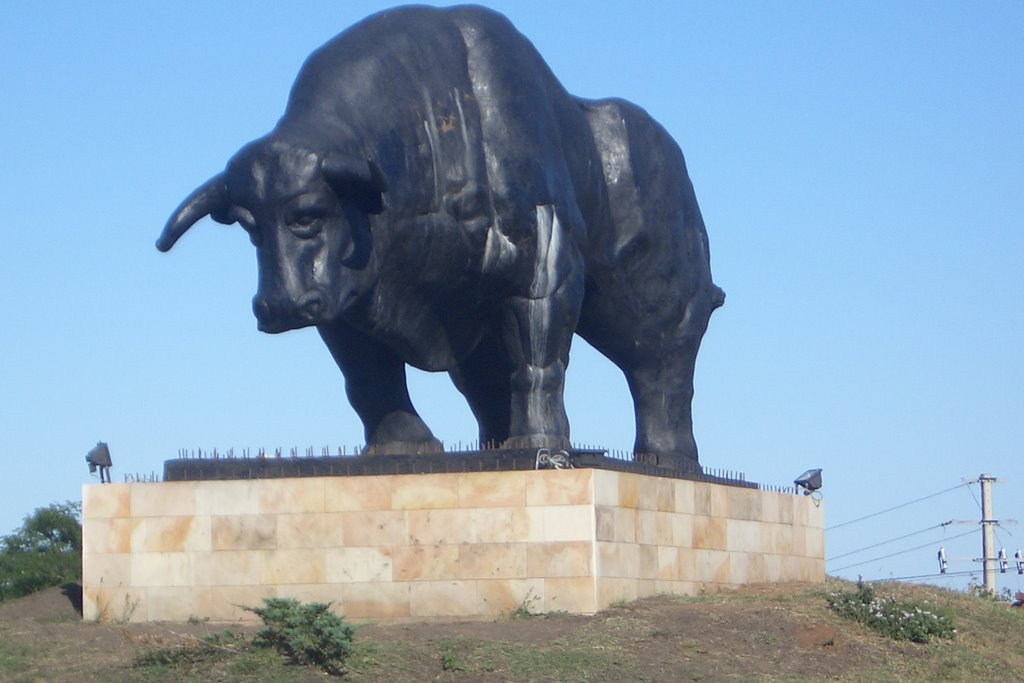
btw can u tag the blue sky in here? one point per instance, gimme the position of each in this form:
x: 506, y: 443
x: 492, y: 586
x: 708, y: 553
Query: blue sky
x: 859, y: 165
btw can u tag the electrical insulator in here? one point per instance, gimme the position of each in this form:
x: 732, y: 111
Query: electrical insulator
x: 1003, y: 564
x: 1020, y: 561
x: 942, y: 561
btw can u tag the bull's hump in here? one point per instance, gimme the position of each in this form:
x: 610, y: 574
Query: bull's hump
x: 395, y: 86
x: 385, y: 57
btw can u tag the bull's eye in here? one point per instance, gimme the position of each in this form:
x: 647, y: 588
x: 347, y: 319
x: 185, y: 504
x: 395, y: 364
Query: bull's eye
x: 305, y: 223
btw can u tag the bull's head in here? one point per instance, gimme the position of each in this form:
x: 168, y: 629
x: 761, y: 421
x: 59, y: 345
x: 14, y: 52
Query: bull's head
x: 308, y: 215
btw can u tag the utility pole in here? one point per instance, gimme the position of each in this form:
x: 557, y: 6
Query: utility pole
x: 991, y: 560
x: 988, y: 534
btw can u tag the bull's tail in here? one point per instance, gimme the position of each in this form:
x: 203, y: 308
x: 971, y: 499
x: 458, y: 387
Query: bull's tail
x: 717, y: 296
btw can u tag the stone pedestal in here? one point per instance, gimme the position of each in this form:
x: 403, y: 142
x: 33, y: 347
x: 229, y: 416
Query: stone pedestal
x: 431, y: 546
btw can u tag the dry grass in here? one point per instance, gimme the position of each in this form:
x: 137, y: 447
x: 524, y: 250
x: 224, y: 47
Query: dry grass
x: 769, y: 633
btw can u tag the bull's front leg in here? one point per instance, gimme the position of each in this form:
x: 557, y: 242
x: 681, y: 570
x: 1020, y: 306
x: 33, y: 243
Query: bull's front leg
x: 538, y: 330
x: 376, y: 387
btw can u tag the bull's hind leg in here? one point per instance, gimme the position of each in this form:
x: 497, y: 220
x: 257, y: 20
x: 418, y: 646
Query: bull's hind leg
x: 656, y: 349
x: 650, y: 291
x: 661, y: 383
x: 659, y: 370
x: 376, y: 387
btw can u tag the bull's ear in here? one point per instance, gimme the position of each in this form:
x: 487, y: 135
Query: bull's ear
x: 356, y: 178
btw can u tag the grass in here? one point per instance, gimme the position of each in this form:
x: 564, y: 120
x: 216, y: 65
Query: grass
x: 566, y: 659
x: 14, y: 658
x: 760, y: 634
x: 988, y: 645
x: 238, y: 661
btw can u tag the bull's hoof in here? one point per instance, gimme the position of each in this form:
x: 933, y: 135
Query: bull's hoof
x: 670, y: 461
x: 404, y: 448
x: 532, y: 441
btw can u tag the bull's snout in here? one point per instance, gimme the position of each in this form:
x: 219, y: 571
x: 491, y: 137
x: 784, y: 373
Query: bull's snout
x: 278, y: 315
x: 311, y: 305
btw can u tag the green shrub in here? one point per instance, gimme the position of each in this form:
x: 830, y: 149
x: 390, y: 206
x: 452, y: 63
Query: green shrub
x: 894, y: 618
x: 305, y: 633
x: 46, y: 551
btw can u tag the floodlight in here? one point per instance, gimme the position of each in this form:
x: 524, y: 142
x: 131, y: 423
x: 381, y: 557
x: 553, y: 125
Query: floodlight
x: 99, y: 457
x: 809, y: 481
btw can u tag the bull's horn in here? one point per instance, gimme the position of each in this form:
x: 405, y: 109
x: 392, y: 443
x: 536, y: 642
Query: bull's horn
x: 209, y: 198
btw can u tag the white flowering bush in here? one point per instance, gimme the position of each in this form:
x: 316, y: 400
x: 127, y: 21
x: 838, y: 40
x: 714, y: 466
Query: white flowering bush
x: 897, y: 619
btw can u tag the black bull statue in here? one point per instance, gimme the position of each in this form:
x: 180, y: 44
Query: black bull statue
x: 433, y: 196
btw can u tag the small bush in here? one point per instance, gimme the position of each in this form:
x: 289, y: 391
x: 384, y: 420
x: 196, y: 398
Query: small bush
x: 305, y: 633
x: 891, y: 617
x: 978, y: 591
x: 523, y: 610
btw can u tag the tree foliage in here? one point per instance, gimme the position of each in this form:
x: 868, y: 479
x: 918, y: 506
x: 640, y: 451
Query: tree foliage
x: 45, y: 551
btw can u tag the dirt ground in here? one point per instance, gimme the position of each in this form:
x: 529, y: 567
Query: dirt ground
x: 764, y: 633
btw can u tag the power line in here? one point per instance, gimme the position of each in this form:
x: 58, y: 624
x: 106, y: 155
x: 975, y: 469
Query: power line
x: 884, y: 557
x: 990, y: 559
x: 974, y: 497
x: 882, y: 512
x: 923, y: 576
x: 891, y: 540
